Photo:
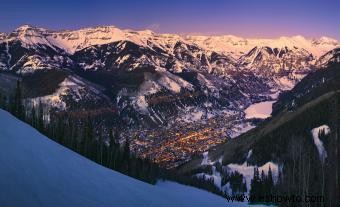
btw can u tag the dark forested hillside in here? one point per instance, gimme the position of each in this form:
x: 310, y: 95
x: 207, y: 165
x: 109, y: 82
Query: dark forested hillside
x: 287, y: 139
x: 311, y: 87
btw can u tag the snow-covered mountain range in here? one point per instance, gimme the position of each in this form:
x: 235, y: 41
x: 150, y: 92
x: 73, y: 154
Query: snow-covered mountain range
x: 72, y: 41
x: 155, y: 78
x: 235, y: 48
x: 238, y: 46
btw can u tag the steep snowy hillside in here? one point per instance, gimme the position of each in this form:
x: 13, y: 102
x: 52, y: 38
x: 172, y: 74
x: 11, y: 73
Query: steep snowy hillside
x: 36, y: 171
x: 333, y: 56
x: 269, y: 61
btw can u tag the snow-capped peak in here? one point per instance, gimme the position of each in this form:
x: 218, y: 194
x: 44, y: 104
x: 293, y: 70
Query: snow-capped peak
x: 74, y: 40
x: 29, y: 30
x: 24, y: 27
x: 146, y: 32
x: 2, y: 36
x: 239, y: 46
x: 328, y: 39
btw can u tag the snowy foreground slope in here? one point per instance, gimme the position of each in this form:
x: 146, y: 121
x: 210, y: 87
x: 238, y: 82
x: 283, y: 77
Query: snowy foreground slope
x: 36, y: 171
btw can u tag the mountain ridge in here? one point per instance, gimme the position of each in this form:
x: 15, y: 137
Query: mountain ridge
x: 205, y: 41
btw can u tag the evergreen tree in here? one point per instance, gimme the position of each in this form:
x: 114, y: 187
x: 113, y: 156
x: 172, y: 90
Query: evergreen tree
x: 2, y: 104
x: 33, y: 117
x: 255, y: 184
x: 126, y: 156
x: 74, y: 136
x: 60, y: 130
x: 17, y: 105
x: 113, y: 147
x: 40, y: 118
x: 270, y: 182
x: 100, y: 149
x: 244, y: 187
x: 87, y: 137
x: 262, y: 184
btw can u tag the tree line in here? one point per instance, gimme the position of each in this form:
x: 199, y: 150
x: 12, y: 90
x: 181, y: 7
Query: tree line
x: 81, y: 135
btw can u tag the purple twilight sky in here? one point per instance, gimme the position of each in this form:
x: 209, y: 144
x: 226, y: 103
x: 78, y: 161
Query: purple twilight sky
x: 247, y: 18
